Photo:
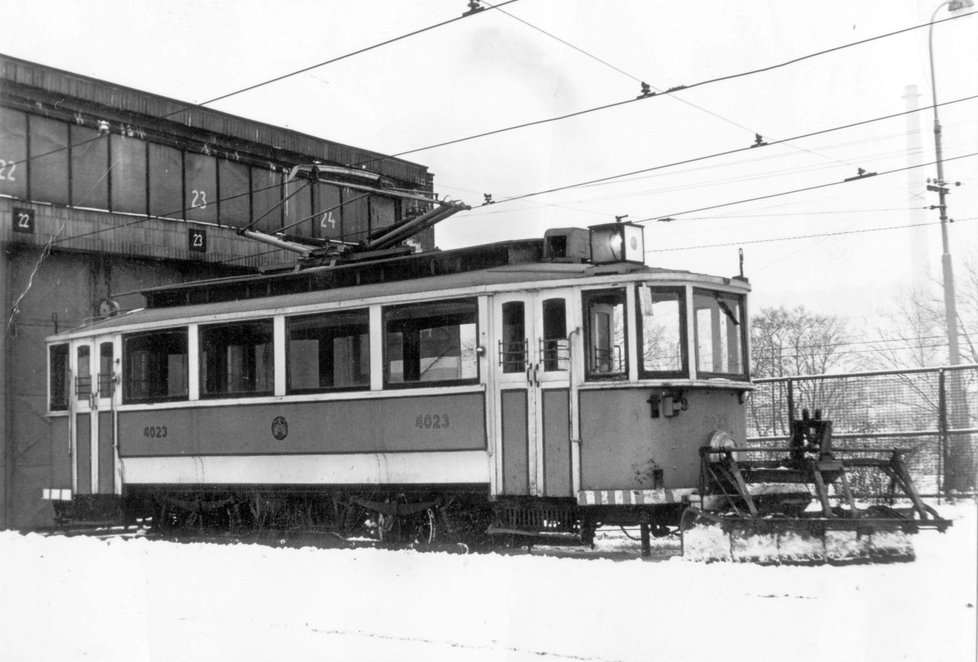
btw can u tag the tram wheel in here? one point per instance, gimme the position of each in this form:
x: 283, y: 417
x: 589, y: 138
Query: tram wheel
x: 426, y: 530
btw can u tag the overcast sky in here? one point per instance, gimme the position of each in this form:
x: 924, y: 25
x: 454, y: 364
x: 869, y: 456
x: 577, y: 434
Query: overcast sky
x: 494, y: 70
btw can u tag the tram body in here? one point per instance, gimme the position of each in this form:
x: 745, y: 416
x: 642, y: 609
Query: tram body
x: 559, y: 391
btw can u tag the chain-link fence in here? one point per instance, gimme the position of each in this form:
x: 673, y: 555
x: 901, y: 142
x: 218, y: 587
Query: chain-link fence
x: 932, y: 413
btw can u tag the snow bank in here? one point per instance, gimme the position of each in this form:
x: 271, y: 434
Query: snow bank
x: 136, y: 600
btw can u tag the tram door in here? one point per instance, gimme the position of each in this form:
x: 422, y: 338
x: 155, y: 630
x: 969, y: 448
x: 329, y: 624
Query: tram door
x: 95, y: 367
x: 532, y: 384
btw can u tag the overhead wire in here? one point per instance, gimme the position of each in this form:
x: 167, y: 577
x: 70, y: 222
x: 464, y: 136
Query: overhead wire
x: 714, y: 155
x: 801, y: 190
x: 659, y: 90
x: 863, y: 158
x: 566, y: 187
x: 718, y: 79
x: 669, y: 91
x: 349, y: 55
x: 796, y: 237
x: 577, y: 113
x: 189, y: 106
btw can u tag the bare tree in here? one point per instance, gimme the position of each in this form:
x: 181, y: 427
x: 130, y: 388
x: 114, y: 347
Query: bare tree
x: 790, y: 343
x: 797, y: 342
x: 915, y: 336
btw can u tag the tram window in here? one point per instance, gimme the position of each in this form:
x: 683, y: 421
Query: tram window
x: 155, y: 366
x: 328, y: 351
x: 83, y: 377
x: 431, y: 343
x: 719, y: 334
x: 661, y: 323
x: 604, y: 311
x: 106, y: 375
x: 59, y: 385
x: 556, y: 348
x: 236, y: 359
x: 512, y: 346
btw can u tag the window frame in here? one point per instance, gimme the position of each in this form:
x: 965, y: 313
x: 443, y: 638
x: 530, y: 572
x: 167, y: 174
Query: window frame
x: 365, y: 386
x: 388, y: 384
x: 744, y: 375
x: 201, y: 376
x: 127, y: 397
x: 590, y: 374
x: 60, y: 380
x: 680, y: 292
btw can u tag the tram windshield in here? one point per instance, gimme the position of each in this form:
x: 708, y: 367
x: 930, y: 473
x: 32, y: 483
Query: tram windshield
x: 720, y: 334
x: 662, y: 313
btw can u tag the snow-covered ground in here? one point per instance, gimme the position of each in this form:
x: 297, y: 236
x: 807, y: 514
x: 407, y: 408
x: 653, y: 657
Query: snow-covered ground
x: 81, y: 598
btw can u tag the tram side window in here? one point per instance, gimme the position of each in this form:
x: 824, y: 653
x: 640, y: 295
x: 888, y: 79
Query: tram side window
x: 719, y: 334
x: 237, y: 359
x: 155, y: 366
x: 59, y: 386
x: 83, y: 377
x: 431, y: 343
x: 328, y: 351
x: 512, y: 346
x: 604, y: 312
x: 555, y: 348
x: 661, y: 323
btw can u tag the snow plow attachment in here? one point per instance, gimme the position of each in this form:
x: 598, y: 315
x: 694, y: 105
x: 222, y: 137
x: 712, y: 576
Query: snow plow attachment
x: 794, y: 505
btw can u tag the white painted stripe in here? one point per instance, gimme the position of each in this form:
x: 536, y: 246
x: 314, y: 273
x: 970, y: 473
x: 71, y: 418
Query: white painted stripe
x: 633, y: 497
x: 345, y: 469
x: 46, y: 494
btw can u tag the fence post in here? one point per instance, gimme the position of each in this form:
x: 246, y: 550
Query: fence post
x: 791, y: 405
x: 942, y: 433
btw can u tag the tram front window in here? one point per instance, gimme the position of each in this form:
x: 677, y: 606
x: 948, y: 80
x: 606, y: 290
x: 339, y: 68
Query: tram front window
x: 720, y: 334
x: 661, y: 315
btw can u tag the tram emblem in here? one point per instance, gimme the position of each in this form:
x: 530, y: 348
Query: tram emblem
x: 280, y: 428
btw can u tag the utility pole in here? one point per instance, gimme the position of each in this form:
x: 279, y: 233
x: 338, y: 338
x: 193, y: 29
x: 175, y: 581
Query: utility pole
x: 960, y: 467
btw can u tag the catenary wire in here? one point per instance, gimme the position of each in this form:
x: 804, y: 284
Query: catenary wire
x: 801, y: 190
x: 668, y: 92
x: 659, y: 90
x: 570, y: 186
x: 805, y: 236
x: 348, y: 55
x: 188, y: 106
x: 738, y: 150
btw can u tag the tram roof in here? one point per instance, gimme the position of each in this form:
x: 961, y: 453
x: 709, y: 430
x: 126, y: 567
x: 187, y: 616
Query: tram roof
x: 195, y: 303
